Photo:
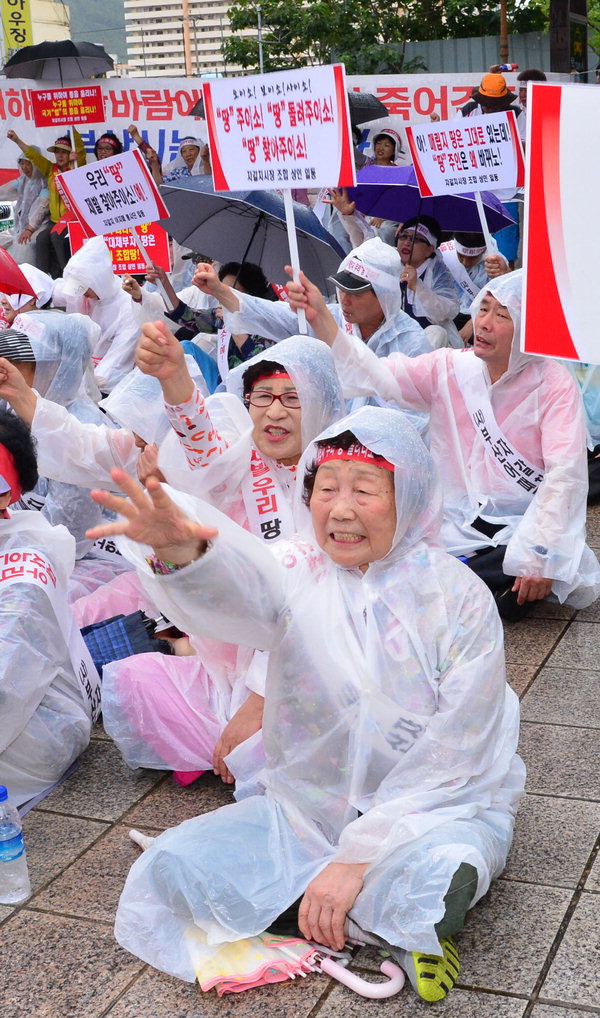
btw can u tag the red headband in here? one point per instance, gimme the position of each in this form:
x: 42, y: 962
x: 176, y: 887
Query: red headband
x: 357, y: 452
x: 9, y: 474
x: 271, y: 374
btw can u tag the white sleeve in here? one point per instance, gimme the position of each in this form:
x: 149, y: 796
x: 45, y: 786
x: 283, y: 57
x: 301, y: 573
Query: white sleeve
x: 78, y: 453
x: 259, y: 317
x: 362, y: 373
x: 120, y: 357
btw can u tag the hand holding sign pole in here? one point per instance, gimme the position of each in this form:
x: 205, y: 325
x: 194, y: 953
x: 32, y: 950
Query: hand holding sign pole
x: 466, y: 156
x: 279, y: 131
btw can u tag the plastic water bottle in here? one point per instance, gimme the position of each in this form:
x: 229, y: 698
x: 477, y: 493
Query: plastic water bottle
x: 509, y: 67
x: 14, y: 875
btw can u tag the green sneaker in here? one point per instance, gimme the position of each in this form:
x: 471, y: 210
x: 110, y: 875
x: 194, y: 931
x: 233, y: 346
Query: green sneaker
x: 431, y: 976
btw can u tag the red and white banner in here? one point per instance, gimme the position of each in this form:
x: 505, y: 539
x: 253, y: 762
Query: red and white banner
x: 124, y: 247
x: 284, y: 130
x: 112, y: 194
x: 472, y: 154
x: 67, y: 106
x: 562, y: 222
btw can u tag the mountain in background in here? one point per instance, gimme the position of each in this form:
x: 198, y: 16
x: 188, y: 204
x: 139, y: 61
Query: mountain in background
x: 100, y: 22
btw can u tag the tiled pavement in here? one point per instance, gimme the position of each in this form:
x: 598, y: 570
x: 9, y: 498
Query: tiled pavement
x: 530, y: 948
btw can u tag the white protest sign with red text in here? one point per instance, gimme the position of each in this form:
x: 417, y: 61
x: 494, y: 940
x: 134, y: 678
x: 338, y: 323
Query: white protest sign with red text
x: 124, y: 247
x: 562, y: 223
x: 75, y: 105
x: 471, y: 154
x: 112, y: 194
x: 285, y: 130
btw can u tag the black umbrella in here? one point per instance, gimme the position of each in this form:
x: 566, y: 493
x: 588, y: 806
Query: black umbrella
x: 248, y: 225
x: 59, y: 61
x: 363, y: 108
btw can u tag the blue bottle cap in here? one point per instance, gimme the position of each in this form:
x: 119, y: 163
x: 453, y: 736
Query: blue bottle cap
x: 3, y: 793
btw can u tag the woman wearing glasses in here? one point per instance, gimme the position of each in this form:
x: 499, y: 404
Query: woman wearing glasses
x: 187, y: 713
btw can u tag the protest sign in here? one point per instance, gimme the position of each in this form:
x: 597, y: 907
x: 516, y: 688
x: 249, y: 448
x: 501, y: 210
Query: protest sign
x: 562, y: 222
x: 124, y: 247
x: 473, y: 154
x: 283, y: 130
x: 112, y: 194
x: 160, y: 109
x: 67, y: 106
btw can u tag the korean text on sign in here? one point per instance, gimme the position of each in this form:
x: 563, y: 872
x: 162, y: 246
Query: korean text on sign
x: 112, y: 194
x: 68, y: 106
x: 289, y: 129
x: 124, y: 247
x: 475, y: 154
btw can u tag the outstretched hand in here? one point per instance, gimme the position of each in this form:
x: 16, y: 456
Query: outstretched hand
x: 150, y: 517
x: 307, y: 297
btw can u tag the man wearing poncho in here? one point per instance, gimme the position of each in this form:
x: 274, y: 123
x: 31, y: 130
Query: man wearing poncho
x: 390, y: 732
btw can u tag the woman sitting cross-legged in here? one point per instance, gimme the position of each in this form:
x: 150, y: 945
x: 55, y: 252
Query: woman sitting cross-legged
x: 391, y: 776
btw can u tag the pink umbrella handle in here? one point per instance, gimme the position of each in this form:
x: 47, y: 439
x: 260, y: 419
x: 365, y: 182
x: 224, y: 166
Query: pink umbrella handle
x: 362, y: 986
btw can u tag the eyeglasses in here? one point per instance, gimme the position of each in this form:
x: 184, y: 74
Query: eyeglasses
x: 414, y: 238
x: 263, y: 399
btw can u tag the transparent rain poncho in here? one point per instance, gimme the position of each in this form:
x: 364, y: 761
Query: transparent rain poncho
x: 45, y: 722
x: 386, y: 697
x: 90, y: 268
x: 537, y: 407
x: 382, y: 266
x: 62, y: 361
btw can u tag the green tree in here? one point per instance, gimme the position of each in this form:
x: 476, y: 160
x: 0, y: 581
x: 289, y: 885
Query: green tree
x: 367, y: 37
x: 594, y: 25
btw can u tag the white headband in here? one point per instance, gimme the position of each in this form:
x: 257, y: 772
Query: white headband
x: 422, y: 230
x: 469, y: 252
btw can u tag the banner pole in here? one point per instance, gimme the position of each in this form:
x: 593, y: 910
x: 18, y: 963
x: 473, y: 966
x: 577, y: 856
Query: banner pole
x: 294, y: 256
x: 484, y: 224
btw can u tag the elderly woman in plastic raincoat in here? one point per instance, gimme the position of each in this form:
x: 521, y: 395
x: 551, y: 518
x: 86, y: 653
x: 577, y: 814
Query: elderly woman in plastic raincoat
x: 46, y: 712
x: 391, y: 776
x: 31, y: 213
x: 508, y: 435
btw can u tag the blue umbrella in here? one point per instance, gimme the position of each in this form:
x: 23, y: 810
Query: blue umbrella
x: 248, y: 226
x: 392, y: 192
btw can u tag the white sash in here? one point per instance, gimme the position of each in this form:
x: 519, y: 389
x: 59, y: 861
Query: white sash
x: 223, y: 337
x: 22, y: 565
x: 267, y: 501
x: 469, y: 375
x: 102, y: 548
x: 459, y: 273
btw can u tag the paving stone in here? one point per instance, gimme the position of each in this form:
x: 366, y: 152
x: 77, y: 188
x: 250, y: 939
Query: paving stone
x: 561, y: 761
x: 103, y: 786
x: 169, y: 804
x: 578, y: 647
x: 93, y: 884
x: 66, y: 835
x: 553, y: 840
x: 58, y: 967
x: 550, y: 1011
x: 343, y: 1003
x: 564, y: 696
x: 508, y: 934
x: 520, y: 677
x: 593, y: 881
x: 529, y: 642
x: 573, y: 975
